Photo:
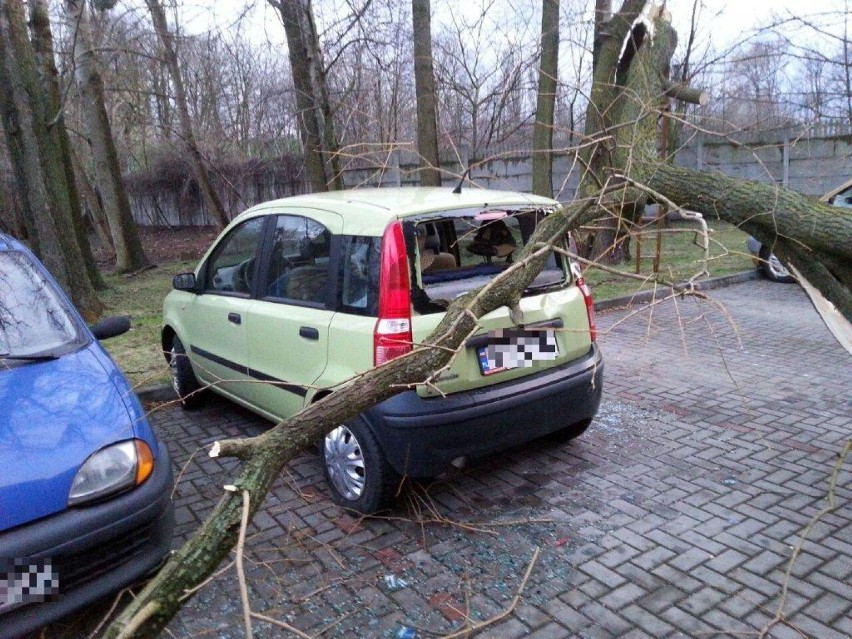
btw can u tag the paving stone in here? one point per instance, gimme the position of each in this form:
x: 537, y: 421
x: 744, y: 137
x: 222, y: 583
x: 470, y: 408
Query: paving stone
x: 673, y: 516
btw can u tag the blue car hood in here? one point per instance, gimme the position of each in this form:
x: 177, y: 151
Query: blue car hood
x: 54, y: 415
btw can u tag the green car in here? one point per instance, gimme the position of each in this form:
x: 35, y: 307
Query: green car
x: 299, y: 294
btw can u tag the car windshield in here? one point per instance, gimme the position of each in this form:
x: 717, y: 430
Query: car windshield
x: 34, y: 322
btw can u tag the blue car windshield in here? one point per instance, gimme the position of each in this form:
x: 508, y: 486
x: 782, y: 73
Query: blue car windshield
x: 34, y: 320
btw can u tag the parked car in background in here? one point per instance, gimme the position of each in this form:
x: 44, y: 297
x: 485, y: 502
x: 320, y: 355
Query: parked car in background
x: 85, y: 488
x: 766, y: 260
x: 300, y: 294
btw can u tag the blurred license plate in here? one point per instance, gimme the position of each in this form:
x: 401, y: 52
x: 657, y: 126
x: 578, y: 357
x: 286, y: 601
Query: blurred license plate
x: 24, y: 581
x: 516, y: 348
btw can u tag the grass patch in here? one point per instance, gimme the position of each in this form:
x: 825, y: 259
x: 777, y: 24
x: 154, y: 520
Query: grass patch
x: 139, y: 355
x: 138, y: 351
x: 680, y: 258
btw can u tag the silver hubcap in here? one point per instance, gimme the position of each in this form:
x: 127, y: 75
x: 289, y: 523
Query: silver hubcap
x: 777, y: 267
x: 345, y: 463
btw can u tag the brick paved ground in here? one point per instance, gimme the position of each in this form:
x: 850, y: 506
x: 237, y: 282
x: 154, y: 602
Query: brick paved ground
x: 674, y: 516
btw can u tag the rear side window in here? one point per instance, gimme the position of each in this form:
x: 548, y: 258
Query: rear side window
x: 461, y: 252
x: 358, y: 276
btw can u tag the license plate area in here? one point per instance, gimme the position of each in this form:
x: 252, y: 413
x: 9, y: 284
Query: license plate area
x: 511, y: 348
x: 24, y: 581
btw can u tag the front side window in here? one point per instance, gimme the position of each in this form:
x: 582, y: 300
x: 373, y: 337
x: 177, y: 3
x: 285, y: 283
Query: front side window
x: 299, y: 260
x: 34, y: 320
x: 232, y: 266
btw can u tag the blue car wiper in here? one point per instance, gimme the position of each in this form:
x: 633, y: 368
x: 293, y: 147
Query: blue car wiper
x: 44, y: 357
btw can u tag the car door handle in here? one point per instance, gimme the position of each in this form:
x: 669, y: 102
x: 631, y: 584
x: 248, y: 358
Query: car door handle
x: 235, y: 318
x: 308, y: 333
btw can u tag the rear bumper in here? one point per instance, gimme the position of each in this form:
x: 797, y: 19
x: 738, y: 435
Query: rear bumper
x: 94, y: 550
x: 420, y: 437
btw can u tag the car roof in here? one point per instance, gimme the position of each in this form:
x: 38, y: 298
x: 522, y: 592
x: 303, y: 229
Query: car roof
x: 371, y: 209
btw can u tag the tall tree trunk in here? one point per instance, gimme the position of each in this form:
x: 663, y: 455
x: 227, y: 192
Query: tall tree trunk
x: 316, y: 125
x: 609, y: 244
x: 42, y: 40
x: 96, y: 211
x: 32, y: 134
x: 129, y: 254
x: 199, y: 170
x: 542, y: 163
x: 424, y: 87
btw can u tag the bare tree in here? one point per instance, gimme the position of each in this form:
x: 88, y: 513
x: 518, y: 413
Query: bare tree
x: 42, y: 40
x: 427, y: 115
x: 547, y: 74
x: 316, y: 124
x: 32, y: 135
x: 129, y: 254
x: 169, y: 50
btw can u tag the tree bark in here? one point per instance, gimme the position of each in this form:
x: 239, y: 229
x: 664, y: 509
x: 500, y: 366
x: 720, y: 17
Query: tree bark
x: 33, y: 135
x: 129, y: 254
x: 542, y: 163
x: 199, y: 170
x: 42, y: 40
x: 316, y: 124
x: 424, y: 83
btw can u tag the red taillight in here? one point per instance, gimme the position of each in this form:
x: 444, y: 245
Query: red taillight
x: 590, y: 306
x: 392, y: 336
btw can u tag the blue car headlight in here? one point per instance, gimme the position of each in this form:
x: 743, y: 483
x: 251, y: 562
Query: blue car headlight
x: 111, y: 470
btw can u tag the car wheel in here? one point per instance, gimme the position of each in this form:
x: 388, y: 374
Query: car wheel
x: 186, y: 384
x: 569, y: 432
x: 355, y: 467
x: 772, y: 266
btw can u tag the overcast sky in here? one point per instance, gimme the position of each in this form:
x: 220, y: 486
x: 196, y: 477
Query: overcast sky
x: 732, y: 19
x: 725, y: 21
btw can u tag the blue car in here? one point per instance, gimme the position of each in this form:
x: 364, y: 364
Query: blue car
x: 85, y: 487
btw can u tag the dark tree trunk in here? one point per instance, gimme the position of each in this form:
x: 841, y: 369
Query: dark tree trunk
x: 33, y: 137
x: 316, y: 125
x: 424, y: 83
x: 42, y: 40
x: 542, y: 163
x: 129, y: 254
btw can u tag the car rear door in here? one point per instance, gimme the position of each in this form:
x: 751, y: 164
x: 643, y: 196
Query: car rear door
x: 287, y: 327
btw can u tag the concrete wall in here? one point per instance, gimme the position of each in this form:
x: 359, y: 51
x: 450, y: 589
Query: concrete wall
x: 811, y: 163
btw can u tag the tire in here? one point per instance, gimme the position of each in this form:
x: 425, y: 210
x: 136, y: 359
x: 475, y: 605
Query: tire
x: 569, y: 432
x: 186, y: 384
x: 357, y: 472
x: 772, y: 267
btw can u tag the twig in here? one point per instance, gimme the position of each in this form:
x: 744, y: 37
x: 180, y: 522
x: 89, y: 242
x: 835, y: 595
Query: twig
x: 467, y: 630
x: 239, y: 564
x: 779, y: 613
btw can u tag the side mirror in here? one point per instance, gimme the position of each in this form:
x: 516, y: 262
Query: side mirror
x: 184, y: 282
x: 110, y: 326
